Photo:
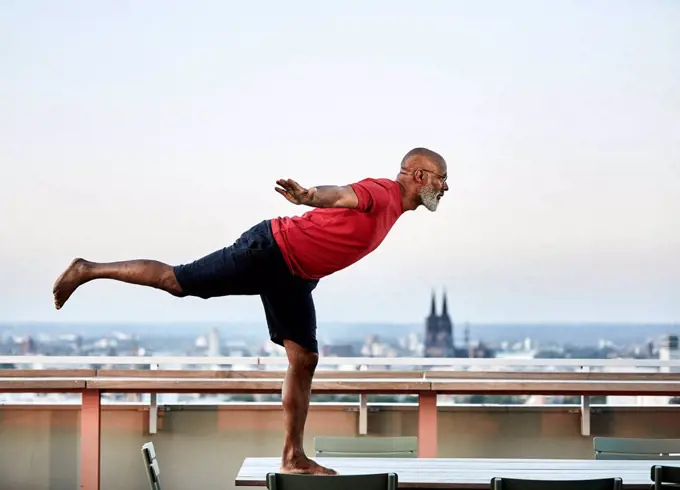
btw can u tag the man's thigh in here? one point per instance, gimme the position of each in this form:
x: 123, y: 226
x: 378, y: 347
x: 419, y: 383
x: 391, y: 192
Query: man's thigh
x: 291, y: 315
x: 239, y: 269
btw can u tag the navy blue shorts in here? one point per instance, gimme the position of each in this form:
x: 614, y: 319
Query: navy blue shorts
x: 254, y: 265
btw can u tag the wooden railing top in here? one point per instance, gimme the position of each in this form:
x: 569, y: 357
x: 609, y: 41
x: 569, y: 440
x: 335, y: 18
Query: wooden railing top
x: 375, y: 382
x: 282, y: 361
x: 425, y: 375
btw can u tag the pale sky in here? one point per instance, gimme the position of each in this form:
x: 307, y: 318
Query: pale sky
x: 157, y: 129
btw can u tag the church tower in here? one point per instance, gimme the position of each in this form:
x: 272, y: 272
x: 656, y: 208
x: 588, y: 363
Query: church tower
x: 446, y: 329
x: 439, y: 332
x: 431, y: 327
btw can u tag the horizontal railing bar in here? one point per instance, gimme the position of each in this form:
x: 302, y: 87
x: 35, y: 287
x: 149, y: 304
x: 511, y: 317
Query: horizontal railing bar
x: 336, y: 361
x: 434, y: 375
x: 443, y: 406
x: 494, y: 383
x: 382, y: 381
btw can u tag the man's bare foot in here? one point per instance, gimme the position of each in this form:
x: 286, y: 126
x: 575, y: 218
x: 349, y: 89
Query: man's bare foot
x: 69, y: 280
x: 302, y: 465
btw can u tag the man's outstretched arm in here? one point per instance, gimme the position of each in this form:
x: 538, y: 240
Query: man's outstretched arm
x: 321, y: 196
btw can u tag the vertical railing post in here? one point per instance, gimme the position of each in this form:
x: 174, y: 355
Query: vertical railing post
x: 153, y: 407
x: 90, y: 440
x: 427, y: 424
x: 585, y: 409
x: 363, y: 414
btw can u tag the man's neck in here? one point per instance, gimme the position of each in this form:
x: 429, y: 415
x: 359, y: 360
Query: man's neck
x: 409, y: 201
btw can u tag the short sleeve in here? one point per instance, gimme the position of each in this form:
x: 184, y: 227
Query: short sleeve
x: 371, y: 193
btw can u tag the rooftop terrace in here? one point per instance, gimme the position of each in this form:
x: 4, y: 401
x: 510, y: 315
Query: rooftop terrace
x: 112, y: 405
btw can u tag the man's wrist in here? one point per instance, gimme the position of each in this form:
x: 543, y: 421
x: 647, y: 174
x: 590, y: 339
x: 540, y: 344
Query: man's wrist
x: 311, y: 198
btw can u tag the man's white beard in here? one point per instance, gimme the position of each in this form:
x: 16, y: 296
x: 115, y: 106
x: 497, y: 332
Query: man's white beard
x: 429, y: 196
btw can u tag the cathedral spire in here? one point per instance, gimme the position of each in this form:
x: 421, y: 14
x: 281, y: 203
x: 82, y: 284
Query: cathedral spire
x: 445, y: 310
x: 433, y: 308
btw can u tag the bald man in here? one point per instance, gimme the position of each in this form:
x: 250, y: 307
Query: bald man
x: 282, y: 261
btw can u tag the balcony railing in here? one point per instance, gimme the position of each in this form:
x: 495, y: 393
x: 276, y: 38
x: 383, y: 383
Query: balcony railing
x: 427, y: 378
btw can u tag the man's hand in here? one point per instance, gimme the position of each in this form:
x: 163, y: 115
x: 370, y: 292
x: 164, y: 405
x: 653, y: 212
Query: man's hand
x: 294, y: 192
x: 322, y: 196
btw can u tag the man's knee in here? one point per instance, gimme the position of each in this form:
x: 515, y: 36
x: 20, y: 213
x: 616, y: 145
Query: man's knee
x: 308, y: 362
x: 170, y: 284
x: 301, y: 359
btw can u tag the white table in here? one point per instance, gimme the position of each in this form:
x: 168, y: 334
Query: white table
x: 468, y: 473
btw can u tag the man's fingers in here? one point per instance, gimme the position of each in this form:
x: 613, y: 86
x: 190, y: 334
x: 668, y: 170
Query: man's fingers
x: 290, y: 185
x: 295, y: 186
x: 286, y: 194
x: 290, y: 189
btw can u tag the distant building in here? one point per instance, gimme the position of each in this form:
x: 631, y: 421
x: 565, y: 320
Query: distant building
x: 439, y: 339
x: 439, y: 332
x: 669, y: 351
x: 214, y: 348
x: 28, y: 346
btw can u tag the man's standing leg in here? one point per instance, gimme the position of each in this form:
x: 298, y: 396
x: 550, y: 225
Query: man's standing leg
x: 297, y: 390
x: 291, y: 318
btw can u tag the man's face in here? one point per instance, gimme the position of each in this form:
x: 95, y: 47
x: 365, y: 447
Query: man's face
x: 434, y: 185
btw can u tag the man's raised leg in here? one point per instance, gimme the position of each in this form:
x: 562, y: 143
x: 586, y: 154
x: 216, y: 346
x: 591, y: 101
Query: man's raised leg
x: 297, y: 388
x: 142, y: 272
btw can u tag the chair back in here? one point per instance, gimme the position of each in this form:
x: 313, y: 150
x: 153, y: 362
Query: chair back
x: 367, y: 447
x: 636, y: 448
x: 521, y: 484
x: 376, y: 481
x: 665, y: 477
x: 153, y: 469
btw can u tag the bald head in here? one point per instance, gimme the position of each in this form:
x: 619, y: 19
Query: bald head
x: 423, y: 175
x: 422, y: 157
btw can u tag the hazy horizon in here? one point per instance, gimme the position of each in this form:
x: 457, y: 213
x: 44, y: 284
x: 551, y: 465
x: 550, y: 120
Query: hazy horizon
x: 158, y: 129
x: 582, y: 334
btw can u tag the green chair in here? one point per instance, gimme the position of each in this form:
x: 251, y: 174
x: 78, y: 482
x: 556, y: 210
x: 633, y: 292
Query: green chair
x: 378, y: 481
x: 366, y: 447
x: 632, y: 448
x: 521, y: 484
x: 153, y: 470
x: 665, y: 477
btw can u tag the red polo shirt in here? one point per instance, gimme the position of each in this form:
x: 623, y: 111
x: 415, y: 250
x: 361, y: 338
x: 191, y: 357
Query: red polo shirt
x: 325, y: 240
